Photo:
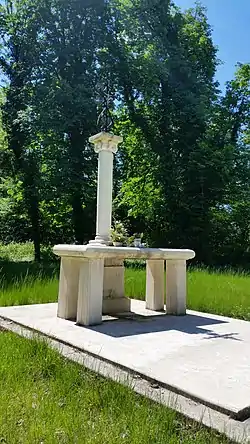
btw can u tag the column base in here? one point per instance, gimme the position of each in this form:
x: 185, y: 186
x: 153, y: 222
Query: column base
x: 98, y: 241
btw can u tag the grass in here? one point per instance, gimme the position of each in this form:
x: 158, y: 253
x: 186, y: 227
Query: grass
x: 226, y: 293
x: 45, y: 399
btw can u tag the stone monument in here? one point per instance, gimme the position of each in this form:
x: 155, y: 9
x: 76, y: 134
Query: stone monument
x: 92, y: 276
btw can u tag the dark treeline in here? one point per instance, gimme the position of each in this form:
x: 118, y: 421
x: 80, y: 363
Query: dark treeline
x: 182, y: 175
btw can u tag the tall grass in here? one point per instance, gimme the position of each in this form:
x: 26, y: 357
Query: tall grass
x: 224, y: 293
x: 30, y: 290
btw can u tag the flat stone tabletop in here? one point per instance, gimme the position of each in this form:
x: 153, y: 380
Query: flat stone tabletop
x: 99, y: 251
x: 204, y: 356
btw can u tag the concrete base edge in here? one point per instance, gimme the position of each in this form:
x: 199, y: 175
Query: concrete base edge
x: 235, y: 430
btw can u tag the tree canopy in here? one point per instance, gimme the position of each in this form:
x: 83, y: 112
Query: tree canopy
x: 182, y: 174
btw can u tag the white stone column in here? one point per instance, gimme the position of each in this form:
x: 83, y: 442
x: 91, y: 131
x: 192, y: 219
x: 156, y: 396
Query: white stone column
x: 106, y: 145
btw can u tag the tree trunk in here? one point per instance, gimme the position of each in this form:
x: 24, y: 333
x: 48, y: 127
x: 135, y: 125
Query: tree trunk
x: 35, y: 224
x: 31, y: 197
x: 76, y: 175
x: 77, y: 216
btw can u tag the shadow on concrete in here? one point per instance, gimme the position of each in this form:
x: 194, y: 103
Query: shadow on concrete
x: 133, y: 324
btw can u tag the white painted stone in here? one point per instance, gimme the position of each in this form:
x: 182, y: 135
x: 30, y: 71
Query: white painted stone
x: 176, y: 287
x: 106, y: 145
x: 113, y: 285
x: 90, y: 295
x: 68, y: 288
x: 155, y: 285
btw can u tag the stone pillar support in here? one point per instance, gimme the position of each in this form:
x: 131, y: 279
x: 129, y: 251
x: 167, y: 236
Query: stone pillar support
x: 68, y: 288
x: 90, y: 292
x: 155, y: 285
x: 176, y: 287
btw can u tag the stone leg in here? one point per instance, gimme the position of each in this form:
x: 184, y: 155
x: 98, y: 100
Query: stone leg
x: 68, y: 288
x: 114, y: 300
x: 155, y: 285
x: 89, y: 309
x: 176, y: 287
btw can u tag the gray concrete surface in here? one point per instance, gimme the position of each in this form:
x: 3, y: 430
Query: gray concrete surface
x: 203, y: 357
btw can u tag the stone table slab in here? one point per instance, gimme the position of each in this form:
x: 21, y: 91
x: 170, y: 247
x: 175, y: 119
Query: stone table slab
x: 203, y: 356
x: 92, y: 251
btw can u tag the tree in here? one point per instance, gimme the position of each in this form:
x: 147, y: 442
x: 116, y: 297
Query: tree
x: 165, y: 64
x: 19, y: 37
x: 230, y: 134
x: 50, y: 57
x: 182, y: 174
x: 71, y: 35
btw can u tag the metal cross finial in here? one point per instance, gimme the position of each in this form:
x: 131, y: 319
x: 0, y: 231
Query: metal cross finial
x: 105, y: 120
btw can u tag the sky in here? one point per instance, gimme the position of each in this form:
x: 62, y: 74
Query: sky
x: 230, y: 21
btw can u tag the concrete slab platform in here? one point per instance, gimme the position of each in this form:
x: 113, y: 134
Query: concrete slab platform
x: 203, y: 356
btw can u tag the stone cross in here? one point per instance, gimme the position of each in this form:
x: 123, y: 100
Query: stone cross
x: 106, y: 145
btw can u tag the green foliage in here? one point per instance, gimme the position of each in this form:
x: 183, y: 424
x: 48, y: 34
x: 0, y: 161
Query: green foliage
x: 168, y: 90
x: 17, y: 252
x: 119, y: 233
x: 182, y: 174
